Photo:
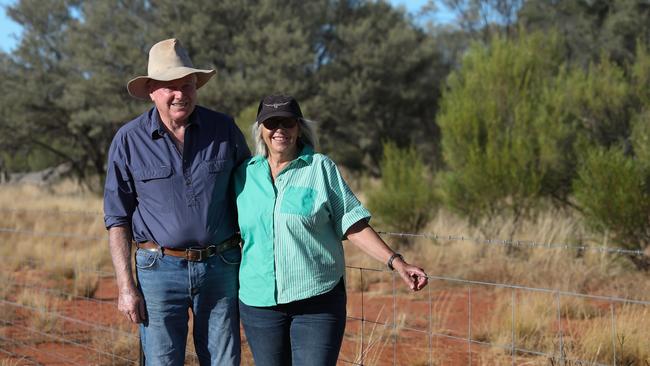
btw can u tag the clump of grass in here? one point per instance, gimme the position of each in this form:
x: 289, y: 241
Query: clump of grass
x: 121, y: 341
x: 628, y: 341
x: 43, y: 310
x: 376, y: 340
x: 7, y: 311
x: 10, y: 362
x: 533, y: 322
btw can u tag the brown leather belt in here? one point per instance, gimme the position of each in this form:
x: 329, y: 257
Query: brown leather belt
x: 193, y: 254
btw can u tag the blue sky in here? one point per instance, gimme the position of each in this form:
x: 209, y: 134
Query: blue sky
x: 9, y: 31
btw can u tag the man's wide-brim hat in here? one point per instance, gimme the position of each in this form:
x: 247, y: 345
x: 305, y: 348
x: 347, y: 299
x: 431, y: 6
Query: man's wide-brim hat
x: 168, y: 60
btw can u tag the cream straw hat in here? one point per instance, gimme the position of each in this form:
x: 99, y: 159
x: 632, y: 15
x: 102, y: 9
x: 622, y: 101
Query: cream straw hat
x: 168, y: 60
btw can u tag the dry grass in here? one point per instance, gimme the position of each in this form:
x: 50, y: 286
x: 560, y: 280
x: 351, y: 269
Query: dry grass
x: 624, y: 341
x: 73, y: 264
x: 58, y: 231
x: 10, y: 362
x: 42, y: 310
x: 569, y: 270
x: 121, y: 341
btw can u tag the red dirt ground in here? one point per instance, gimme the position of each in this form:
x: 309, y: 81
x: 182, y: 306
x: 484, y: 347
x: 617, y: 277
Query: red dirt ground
x: 92, y: 332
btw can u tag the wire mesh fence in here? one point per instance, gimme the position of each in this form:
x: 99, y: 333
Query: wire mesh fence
x: 453, y: 321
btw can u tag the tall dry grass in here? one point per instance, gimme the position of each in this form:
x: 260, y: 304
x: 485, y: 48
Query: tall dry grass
x: 535, y: 324
x: 42, y: 310
x: 73, y: 263
x: 55, y: 233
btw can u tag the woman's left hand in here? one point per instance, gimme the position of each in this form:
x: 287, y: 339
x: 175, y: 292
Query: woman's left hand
x: 414, y: 277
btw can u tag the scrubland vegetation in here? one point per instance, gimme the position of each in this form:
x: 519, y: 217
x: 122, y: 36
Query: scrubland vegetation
x: 73, y: 266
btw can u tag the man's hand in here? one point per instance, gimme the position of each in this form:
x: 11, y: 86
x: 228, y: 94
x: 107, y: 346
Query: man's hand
x: 131, y: 304
x: 130, y: 301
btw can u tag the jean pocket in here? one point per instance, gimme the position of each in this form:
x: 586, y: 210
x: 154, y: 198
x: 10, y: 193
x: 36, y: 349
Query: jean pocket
x: 231, y: 256
x: 145, y: 258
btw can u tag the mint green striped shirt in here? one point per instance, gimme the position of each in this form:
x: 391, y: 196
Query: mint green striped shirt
x: 292, y: 230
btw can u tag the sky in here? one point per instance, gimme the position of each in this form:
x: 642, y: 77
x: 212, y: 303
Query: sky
x: 10, y: 31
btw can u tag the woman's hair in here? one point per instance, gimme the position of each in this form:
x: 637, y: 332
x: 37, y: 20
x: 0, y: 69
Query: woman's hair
x: 307, y: 136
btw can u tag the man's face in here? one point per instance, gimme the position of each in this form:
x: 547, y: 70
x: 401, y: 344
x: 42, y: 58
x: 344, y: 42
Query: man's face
x: 175, y: 99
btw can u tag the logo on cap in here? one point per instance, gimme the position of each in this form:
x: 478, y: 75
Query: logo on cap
x: 276, y: 105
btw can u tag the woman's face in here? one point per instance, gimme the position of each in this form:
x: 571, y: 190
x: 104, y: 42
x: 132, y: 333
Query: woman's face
x: 281, y: 135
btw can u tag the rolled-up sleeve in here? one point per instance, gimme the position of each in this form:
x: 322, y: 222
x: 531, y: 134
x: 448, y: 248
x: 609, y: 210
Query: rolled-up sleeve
x: 119, y: 194
x: 345, y: 208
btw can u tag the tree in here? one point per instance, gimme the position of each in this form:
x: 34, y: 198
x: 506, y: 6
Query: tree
x: 67, y: 79
x: 504, y: 141
x: 483, y: 19
x: 380, y: 77
x: 613, y: 182
x: 68, y: 73
x: 591, y: 28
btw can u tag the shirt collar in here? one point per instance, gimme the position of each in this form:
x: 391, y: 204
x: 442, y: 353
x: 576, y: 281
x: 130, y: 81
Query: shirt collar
x: 306, y: 154
x: 156, y: 128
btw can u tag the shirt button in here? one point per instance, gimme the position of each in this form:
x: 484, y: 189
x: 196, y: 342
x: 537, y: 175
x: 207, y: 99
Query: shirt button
x: 188, y: 181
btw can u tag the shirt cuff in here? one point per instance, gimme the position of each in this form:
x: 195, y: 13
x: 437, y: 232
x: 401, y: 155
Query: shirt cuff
x: 352, y: 217
x: 112, y: 221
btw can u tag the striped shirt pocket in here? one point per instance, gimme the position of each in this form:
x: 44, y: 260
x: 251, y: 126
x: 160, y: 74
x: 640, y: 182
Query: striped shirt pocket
x: 298, y: 201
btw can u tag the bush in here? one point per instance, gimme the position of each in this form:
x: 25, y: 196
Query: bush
x: 505, y: 139
x: 612, y: 190
x: 405, y: 200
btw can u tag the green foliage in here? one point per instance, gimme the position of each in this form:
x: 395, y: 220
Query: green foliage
x: 405, y: 200
x: 502, y: 141
x: 67, y: 79
x: 613, y: 183
x: 614, y: 193
x: 245, y: 121
x: 591, y: 28
x: 361, y: 66
x: 381, y: 79
x: 599, y: 100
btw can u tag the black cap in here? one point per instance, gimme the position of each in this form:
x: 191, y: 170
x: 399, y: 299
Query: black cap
x: 278, y: 106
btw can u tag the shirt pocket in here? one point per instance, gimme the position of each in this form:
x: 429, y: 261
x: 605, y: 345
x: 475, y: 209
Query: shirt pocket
x: 218, y: 178
x: 154, y: 188
x: 298, y: 201
x: 217, y: 166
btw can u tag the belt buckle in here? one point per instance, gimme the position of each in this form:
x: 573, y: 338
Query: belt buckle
x: 194, y: 250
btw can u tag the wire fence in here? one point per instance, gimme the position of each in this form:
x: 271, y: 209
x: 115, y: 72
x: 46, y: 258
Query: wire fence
x: 453, y: 321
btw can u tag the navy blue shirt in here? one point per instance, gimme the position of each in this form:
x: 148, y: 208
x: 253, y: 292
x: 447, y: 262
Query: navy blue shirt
x: 176, y: 200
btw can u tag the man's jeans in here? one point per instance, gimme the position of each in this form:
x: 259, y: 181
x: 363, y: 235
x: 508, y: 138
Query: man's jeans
x: 301, y: 333
x: 171, y: 286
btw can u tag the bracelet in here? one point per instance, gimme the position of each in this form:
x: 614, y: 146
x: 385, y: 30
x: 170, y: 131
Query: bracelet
x: 392, y: 258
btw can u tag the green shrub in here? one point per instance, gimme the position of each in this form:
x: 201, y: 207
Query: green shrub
x: 244, y: 121
x: 612, y: 190
x: 405, y: 200
x: 505, y: 136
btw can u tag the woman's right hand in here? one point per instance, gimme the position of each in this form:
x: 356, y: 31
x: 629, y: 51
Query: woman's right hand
x: 414, y: 277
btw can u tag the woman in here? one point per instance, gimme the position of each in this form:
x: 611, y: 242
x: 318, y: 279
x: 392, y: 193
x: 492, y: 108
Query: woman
x: 294, y: 210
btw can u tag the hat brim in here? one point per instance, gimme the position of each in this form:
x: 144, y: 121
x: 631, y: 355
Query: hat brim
x: 286, y: 114
x: 138, y: 88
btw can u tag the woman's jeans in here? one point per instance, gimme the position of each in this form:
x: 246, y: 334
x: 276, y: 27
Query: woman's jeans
x: 305, y: 332
x: 171, y: 286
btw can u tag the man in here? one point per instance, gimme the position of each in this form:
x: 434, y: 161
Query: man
x: 167, y: 190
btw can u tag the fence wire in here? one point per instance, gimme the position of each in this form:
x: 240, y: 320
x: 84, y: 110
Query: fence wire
x: 428, y: 333
x: 472, y: 340
x: 517, y: 243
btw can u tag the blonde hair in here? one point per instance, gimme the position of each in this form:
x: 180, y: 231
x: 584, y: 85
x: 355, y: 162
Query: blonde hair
x: 307, y: 136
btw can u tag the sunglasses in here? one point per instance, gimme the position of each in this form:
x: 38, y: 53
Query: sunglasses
x: 286, y: 123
